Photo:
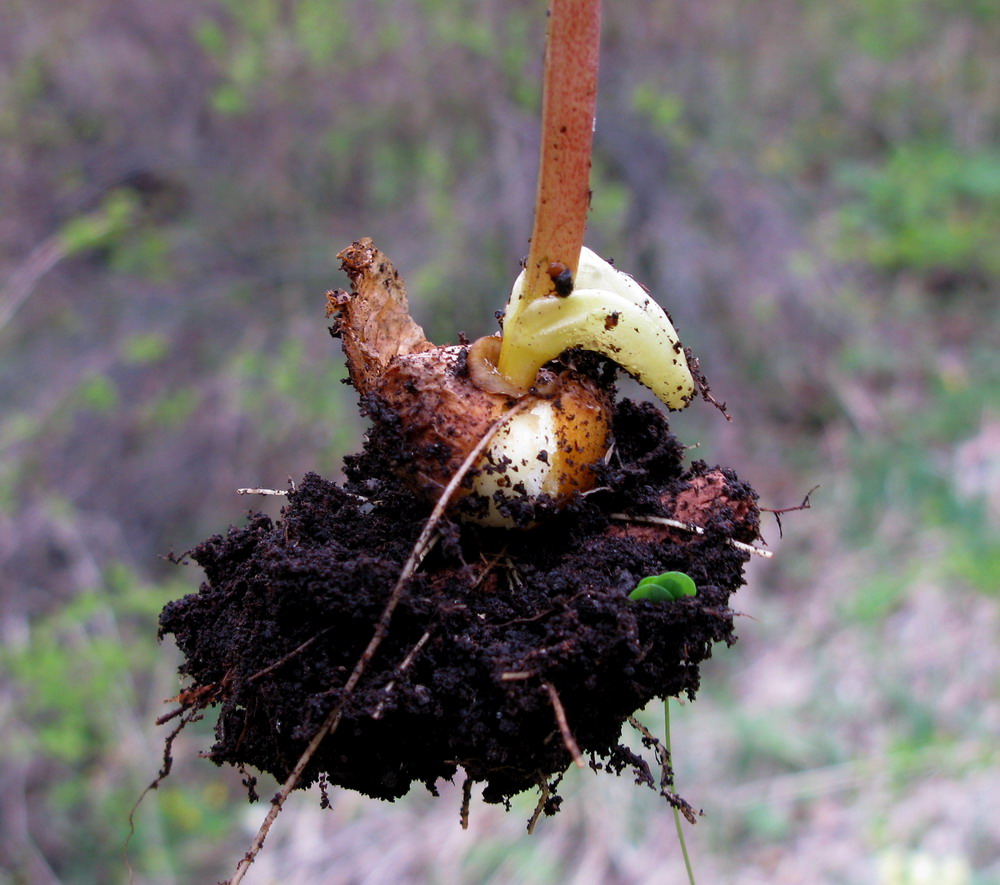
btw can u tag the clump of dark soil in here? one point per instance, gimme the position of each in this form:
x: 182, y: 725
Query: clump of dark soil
x: 493, y: 626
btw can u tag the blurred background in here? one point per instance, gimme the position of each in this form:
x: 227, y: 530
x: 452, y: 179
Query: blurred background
x: 812, y: 188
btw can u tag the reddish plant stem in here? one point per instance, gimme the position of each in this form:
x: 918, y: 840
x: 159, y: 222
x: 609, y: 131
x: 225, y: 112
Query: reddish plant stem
x: 569, y: 102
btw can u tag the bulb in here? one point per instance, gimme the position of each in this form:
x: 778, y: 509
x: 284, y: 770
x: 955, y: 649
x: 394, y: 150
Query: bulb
x: 546, y: 450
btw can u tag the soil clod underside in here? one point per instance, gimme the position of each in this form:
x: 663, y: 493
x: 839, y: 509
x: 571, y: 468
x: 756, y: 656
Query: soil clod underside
x: 492, y: 620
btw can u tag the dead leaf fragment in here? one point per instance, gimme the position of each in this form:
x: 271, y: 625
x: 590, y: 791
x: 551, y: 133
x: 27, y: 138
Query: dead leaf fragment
x: 373, y: 320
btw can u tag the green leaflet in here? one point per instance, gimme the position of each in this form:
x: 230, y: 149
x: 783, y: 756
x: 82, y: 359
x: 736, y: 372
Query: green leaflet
x: 665, y: 587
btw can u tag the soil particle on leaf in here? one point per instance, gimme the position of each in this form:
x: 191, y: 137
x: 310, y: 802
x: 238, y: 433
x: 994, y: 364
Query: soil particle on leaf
x: 492, y: 618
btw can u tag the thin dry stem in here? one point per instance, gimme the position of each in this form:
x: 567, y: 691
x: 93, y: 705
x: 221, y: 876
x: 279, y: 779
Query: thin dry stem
x: 329, y: 726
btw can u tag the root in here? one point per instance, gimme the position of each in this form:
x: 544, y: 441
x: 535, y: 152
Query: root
x: 690, y: 527
x: 427, y: 538
x: 512, y: 574
x: 701, y: 384
x: 194, y: 700
x: 540, y: 806
x: 488, y: 568
x: 571, y: 745
x: 805, y: 505
x: 548, y: 801
x: 276, y: 492
x: 413, y: 652
x: 189, y: 715
x: 284, y: 659
x: 666, y: 771
x: 466, y: 801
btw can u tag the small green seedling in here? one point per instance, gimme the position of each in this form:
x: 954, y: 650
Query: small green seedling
x: 664, y: 588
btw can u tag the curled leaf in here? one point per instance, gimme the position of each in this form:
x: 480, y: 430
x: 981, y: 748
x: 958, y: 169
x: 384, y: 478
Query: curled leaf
x: 607, y: 312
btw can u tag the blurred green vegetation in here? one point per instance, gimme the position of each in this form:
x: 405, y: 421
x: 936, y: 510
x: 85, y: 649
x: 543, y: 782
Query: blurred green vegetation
x: 81, y: 689
x: 813, y: 190
x: 925, y: 208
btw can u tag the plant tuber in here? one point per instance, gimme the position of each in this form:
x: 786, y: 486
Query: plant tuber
x: 442, y: 400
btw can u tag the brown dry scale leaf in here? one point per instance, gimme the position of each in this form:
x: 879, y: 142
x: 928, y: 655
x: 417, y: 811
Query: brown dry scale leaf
x: 502, y: 633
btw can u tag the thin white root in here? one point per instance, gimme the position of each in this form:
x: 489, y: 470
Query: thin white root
x: 691, y: 527
x: 279, y: 493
